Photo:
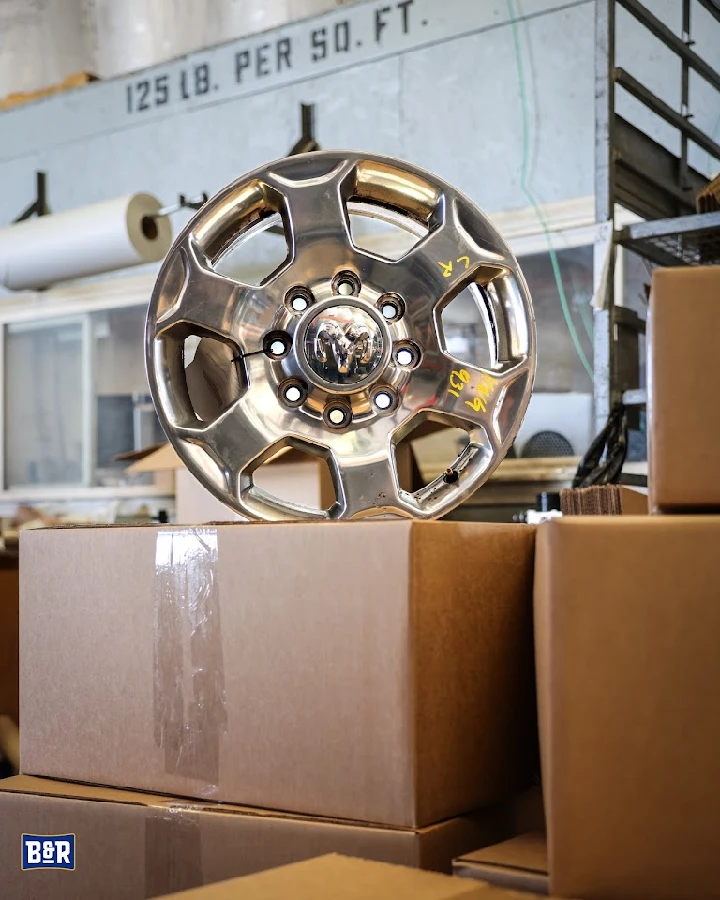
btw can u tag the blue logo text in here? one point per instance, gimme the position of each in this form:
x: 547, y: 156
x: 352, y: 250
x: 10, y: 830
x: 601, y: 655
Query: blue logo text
x: 48, y: 851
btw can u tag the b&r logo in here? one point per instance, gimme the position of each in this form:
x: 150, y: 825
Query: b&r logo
x: 48, y: 851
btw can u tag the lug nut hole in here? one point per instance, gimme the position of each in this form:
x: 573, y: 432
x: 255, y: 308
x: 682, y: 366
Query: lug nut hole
x: 383, y: 400
x: 293, y: 393
x: 404, y: 357
x: 346, y: 284
x: 407, y: 354
x: 298, y: 299
x: 392, y: 307
x: 277, y: 344
x: 337, y: 415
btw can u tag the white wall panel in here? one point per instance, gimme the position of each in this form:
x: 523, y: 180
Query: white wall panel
x: 462, y: 114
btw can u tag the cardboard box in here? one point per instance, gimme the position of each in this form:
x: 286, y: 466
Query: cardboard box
x: 379, y: 671
x: 519, y: 864
x: 627, y: 618
x: 131, y: 845
x: 295, y: 477
x: 292, y: 476
x: 9, y: 634
x: 683, y: 387
x: 529, y: 811
x: 331, y: 877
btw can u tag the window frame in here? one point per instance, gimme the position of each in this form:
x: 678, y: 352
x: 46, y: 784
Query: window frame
x: 70, y: 304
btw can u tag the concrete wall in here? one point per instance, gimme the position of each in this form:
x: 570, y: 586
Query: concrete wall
x: 436, y: 84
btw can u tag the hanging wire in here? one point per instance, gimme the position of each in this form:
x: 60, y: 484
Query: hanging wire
x: 525, y: 187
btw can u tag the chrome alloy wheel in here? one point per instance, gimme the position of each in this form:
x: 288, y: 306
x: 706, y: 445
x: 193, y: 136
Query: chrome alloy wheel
x: 340, y: 351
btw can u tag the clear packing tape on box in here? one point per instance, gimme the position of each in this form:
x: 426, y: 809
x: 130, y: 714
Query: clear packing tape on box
x: 189, y: 684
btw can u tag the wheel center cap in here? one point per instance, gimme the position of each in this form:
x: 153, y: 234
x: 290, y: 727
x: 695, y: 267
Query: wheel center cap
x: 343, y: 344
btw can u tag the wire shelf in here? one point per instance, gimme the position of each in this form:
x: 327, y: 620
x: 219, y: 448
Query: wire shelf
x: 687, y: 241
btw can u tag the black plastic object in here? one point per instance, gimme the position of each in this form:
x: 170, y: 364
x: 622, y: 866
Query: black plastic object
x: 547, y: 444
x: 546, y: 501
x: 603, y: 462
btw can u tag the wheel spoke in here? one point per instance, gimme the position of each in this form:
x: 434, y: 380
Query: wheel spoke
x: 448, y: 259
x: 208, y: 302
x: 234, y: 441
x: 471, y: 396
x: 315, y: 215
x: 368, y: 484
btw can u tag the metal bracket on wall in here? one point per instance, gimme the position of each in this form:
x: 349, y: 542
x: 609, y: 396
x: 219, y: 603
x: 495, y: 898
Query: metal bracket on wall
x: 307, y: 142
x: 182, y: 203
x: 39, y: 206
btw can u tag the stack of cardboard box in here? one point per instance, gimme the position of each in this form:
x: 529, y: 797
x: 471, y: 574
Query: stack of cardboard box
x: 206, y: 702
x: 627, y: 622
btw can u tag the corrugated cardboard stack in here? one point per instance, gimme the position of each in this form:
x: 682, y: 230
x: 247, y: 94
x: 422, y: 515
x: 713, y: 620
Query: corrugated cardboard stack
x: 627, y: 618
x: 279, y: 691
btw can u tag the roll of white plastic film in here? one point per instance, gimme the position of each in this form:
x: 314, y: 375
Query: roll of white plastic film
x: 87, y: 241
x: 42, y: 42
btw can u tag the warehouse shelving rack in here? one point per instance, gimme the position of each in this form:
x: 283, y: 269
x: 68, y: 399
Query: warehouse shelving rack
x: 636, y: 173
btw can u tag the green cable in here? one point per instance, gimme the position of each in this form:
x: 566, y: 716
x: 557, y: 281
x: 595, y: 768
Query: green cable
x: 528, y: 193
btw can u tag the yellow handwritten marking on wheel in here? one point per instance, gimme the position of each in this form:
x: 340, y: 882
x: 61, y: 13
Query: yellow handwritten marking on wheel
x: 447, y: 267
x: 477, y: 403
x: 458, y: 379
x: 485, y: 388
